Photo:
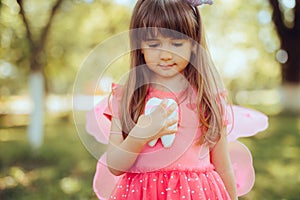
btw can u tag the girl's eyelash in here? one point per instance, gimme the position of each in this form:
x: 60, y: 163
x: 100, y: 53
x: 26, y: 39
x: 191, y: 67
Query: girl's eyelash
x: 153, y: 45
x: 177, y: 44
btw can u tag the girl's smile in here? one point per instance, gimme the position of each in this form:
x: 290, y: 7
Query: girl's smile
x: 166, y: 66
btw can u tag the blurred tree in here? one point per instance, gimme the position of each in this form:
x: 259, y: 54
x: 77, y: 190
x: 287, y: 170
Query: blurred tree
x: 79, y: 28
x: 286, y: 17
x: 36, y: 78
x: 46, y: 41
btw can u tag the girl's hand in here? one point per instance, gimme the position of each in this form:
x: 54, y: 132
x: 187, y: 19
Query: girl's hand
x: 157, y: 124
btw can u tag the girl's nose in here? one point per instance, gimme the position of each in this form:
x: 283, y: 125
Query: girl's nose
x: 165, y: 55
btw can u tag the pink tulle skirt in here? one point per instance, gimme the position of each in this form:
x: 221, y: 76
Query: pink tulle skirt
x: 171, y: 185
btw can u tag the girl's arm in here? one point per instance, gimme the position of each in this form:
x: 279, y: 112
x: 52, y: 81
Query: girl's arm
x: 122, y: 153
x: 221, y: 160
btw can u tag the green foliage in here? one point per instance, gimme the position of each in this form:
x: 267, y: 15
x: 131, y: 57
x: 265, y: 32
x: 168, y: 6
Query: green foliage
x: 87, y: 25
x: 77, y: 27
x: 243, y: 43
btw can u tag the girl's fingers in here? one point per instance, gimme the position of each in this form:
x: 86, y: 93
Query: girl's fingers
x: 170, y: 131
x: 169, y: 126
x: 163, y: 104
x: 165, y: 109
x: 171, y: 121
x: 171, y: 109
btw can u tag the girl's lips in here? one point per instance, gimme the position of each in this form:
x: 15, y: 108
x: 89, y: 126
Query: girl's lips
x: 166, y: 66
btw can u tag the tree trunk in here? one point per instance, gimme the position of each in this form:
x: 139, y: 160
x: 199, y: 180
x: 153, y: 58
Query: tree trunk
x: 36, y: 124
x: 291, y: 69
x: 290, y: 97
x: 290, y: 42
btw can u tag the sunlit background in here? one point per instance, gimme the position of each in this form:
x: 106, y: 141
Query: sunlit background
x: 244, y: 45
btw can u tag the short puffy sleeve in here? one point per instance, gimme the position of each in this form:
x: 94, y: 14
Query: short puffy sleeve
x: 98, y: 120
x: 112, y: 108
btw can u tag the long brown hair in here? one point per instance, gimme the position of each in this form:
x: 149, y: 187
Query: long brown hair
x: 179, y: 16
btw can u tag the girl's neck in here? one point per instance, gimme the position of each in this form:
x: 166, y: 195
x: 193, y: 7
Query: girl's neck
x: 174, y: 84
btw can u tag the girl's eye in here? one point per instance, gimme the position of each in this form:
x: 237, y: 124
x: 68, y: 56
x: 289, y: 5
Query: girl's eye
x: 153, y: 45
x: 177, y: 44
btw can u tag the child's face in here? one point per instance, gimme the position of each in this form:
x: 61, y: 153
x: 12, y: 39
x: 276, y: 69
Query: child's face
x: 165, y: 56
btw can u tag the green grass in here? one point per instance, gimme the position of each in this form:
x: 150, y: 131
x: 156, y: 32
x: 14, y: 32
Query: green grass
x: 63, y: 169
x: 276, y: 160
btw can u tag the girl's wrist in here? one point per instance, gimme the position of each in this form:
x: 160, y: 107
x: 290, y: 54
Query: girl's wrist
x: 136, y: 136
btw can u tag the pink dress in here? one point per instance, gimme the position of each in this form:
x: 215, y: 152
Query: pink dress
x: 183, y: 171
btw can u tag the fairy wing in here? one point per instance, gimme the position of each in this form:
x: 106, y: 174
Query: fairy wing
x: 104, y: 181
x: 241, y: 160
x: 97, y: 123
x: 243, y: 122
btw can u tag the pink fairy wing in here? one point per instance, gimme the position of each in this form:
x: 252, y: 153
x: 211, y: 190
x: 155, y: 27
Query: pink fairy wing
x: 104, y: 180
x: 245, y: 122
x: 97, y: 124
x: 98, y: 120
x: 241, y: 160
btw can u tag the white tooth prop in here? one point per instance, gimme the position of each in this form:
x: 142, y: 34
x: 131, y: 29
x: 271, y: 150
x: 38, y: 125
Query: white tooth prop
x: 167, y: 140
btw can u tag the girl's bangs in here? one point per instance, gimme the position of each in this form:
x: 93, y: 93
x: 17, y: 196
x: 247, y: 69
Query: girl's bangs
x: 154, y: 32
x: 167, y: 21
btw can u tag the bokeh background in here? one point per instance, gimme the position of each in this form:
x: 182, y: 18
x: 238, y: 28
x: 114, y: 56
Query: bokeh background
x: 43, y: 43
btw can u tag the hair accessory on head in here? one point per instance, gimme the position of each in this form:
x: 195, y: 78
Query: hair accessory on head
x: 200, y: 2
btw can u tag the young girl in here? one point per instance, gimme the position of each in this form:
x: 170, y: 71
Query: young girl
x: 171, y: 68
